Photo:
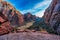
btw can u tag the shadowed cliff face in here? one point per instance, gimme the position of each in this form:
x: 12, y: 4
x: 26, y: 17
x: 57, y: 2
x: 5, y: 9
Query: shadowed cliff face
x: 52, y: 15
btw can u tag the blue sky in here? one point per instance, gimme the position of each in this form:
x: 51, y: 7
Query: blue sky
x: 36, y: 7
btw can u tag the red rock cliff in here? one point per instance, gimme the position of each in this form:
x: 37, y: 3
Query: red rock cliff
x: 9, y: 17
x: 15, y: 17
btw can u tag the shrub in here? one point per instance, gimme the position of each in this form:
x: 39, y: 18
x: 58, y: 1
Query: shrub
x: 41, y: 25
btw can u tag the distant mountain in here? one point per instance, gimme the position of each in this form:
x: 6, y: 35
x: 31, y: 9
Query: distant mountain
x: 28, y: 17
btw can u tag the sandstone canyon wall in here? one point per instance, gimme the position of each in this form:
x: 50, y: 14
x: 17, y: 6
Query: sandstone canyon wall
x: 9, y: 18
x: 11, y: 14
x: 52, y: 15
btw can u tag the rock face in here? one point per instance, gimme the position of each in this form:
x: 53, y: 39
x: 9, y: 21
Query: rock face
x: 52, y: 15
x: 9, y: 18
x: 4, y: 25
x: 29, y: 36
x: 12, y: 15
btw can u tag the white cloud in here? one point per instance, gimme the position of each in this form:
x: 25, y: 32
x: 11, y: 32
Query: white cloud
x: 38, y: 6
x: 30, y: 10
x: 40, y: 13
x: 41, y: 4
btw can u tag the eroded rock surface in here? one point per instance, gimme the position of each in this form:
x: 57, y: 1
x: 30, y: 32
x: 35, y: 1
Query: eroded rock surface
x: 29, y: 36
x: 52, y: 15
x: 9, y: 18
x: 15, y: 17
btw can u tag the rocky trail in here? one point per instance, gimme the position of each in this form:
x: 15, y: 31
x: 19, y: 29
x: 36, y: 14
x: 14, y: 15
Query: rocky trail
x: 29, y: 36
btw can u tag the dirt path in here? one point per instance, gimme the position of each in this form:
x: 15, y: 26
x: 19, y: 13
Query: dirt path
x: 29, y: 36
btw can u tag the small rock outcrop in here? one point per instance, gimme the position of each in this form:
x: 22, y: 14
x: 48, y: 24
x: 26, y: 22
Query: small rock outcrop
x: 52, y: 15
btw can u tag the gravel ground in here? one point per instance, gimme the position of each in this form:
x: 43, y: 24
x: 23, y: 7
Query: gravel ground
x: 29, y: 36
